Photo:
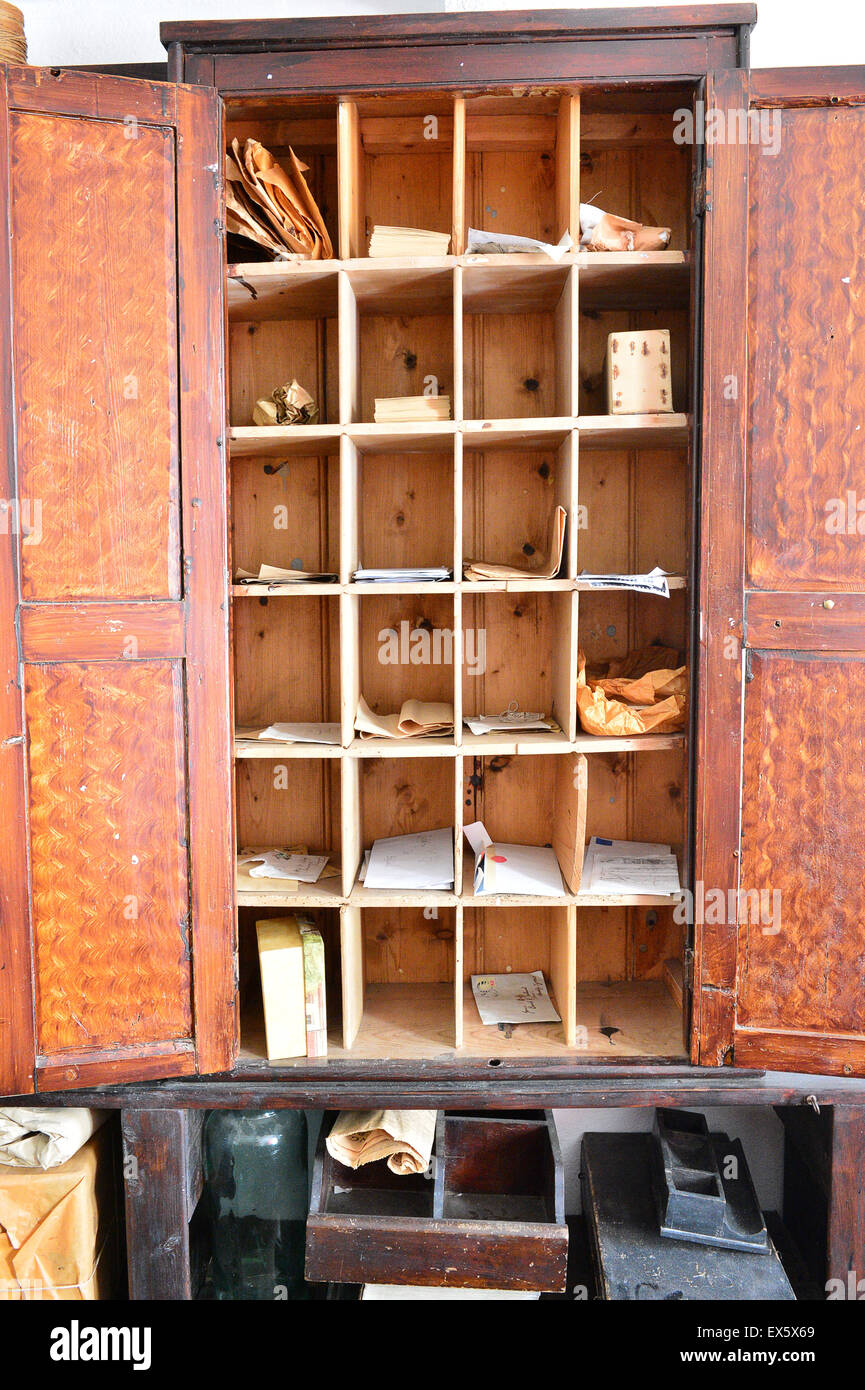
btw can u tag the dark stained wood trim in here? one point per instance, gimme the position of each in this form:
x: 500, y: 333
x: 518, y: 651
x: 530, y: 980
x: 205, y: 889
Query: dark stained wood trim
x: 721, y: 550
x: 155, y: 1161
x: 519, y: 25
x: 829, y: 622
x: 17, y: 1027
x: 804, y: 1052
x: 204, y: 464
x: 119, y: 1066
x: 101, y: 631
x: 701, y: 1087
x: 65, y: 92
x: 807, y: 86
x: 466, y: 68
x: 424, y: 1250
x: 845, y: 1239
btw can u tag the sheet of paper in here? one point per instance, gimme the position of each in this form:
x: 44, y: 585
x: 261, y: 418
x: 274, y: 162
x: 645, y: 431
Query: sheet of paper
x: 505, y: 243
x: 429, y: 575
x: 279, y: 863
x: 276, y: 575
x: 627, y: 866
x: 300, y: 733
x: 514, y: 998
x: 496, y: 723
x: 655, y: 582
x: 425, y: 860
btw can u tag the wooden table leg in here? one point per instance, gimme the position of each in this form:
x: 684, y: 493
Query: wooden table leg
x: 162, y: 1176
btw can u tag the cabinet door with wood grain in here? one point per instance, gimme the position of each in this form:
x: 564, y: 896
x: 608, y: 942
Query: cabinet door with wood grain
x: 116, y: 955
x: 780, y: 979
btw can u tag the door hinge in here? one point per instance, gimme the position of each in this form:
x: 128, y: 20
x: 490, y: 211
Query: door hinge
x: 700, y: 199
x: 688, y: 971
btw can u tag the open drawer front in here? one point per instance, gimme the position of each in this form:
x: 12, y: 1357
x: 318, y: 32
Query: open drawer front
x: 490, y: 1215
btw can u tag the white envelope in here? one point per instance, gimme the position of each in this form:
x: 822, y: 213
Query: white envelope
x: 518, y: 869
x: 425, y: 861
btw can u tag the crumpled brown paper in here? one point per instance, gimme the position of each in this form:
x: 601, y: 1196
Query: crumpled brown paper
x: 271, y: 206
x: 288, y: 405
x: 614, y: 233
x: 644, y: 692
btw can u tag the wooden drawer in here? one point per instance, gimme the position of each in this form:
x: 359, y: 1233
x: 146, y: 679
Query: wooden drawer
x: 492, y: 1216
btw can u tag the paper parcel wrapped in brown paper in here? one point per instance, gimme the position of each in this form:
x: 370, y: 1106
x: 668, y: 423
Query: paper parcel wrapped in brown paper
x: 273, y: 206
x: 403, y: 1137
x: 58, y: 1228
x: 645, y: 692
x: 290, y: 404
x: 606, y: 231
x: 42, y: 1136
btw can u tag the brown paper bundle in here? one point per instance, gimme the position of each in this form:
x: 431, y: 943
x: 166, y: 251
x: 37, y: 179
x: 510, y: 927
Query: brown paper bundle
x: 288, y: 405
x: 271, y: 206
x: 642, y: 695
x: 614, y: 233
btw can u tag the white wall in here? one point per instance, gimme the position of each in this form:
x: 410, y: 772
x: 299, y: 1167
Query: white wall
x: 788, y: 33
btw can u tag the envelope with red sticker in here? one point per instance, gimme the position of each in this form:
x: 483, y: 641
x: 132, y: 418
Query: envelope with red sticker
x: 523, y: 870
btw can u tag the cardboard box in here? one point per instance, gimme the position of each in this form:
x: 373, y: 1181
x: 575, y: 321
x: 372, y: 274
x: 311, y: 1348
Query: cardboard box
x: 280, y: 955
x: 314, y: 987
x: 638, y: 373
x: 58, y: 1228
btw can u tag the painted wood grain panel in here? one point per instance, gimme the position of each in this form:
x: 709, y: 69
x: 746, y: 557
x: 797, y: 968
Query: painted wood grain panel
x: 806, y: 326
x: 108, y: 839
x: 801, y: 969
x: 95, y: 328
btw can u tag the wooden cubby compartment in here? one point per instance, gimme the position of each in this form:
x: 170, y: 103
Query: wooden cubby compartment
x: 397, y: 166
x: 396, y: 795
x: 404, y: 515
x: 253, y: 1049
x: 286, y: 659
x: 521, y: 165
x: 289, y: 801
x: 520, y: 654
x: 286, y: 514
x: 399, y: 978
x: 398, y: 335
x: 502, y: 940
x: 407, y: 645
x: 518, y: 344
x: 510, y: 493
x: 310, y: 129
x: 630, y: 163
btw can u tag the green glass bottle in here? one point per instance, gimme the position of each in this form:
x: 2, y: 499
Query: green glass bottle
x: 256, y: 1169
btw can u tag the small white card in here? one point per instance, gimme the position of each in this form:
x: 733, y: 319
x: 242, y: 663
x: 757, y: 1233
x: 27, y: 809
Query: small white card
x: 514, y: 998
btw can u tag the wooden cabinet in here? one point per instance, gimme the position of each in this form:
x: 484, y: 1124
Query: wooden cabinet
x: 128, y: 657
